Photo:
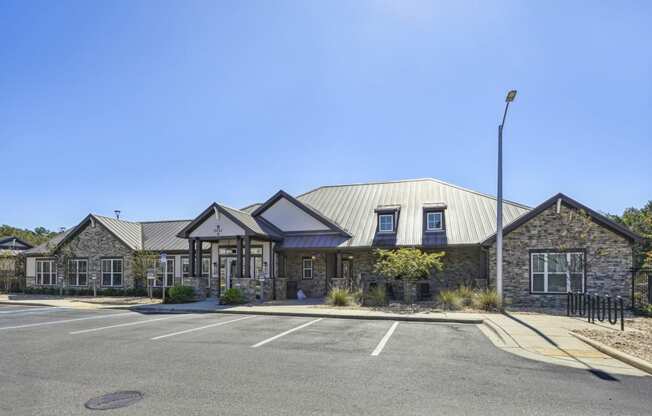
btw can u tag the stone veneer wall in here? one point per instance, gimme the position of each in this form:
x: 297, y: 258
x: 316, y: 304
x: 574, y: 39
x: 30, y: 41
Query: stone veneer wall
x: 94, y: 244
x: 606, y: 273
x: 462, y: 265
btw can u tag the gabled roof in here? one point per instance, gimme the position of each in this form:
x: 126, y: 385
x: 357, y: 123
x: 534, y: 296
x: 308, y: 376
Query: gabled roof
x: 307, y: 208
x: 47, y: 247
x: 162, y: 235
x: 9, y: 239
x: 595, y: 216
x: 470, y: 215
x: 252, y: 226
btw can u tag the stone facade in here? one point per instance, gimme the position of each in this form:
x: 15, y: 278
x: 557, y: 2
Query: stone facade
x: 608, y: 257
x: 94, y: 244
x: 462, y: 266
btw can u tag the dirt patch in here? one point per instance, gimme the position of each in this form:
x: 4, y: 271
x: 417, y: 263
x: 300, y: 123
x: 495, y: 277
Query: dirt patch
x: 636, y: 340
x: 110, y: 300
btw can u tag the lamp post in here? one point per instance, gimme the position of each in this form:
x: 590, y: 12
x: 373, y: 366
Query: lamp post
x: 499, y: 203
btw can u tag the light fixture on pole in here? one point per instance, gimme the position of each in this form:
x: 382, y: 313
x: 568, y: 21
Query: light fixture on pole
x: 511, y: 95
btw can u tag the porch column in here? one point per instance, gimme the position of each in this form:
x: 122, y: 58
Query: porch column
x: 247, y: 267
x: 191, y: 257
x: 238, y: 257
x: 338, y: 267
x: 198, y: 262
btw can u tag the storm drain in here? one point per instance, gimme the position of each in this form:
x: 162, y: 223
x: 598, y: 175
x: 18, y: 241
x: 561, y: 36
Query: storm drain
x: 114, y: 400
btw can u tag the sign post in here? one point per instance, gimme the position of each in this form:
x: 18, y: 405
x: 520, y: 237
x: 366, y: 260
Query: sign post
x: 151, y: 276
x: 94, y: 280
x: 164, y: 263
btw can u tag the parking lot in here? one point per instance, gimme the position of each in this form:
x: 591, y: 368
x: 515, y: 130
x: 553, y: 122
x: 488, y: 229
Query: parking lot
x: 53, y: 360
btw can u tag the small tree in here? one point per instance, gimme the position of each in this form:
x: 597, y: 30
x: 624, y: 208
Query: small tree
x: 408, y: 265
x: 144, y: 260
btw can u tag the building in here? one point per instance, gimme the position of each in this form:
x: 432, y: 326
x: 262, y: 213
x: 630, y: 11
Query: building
x: 11, y: 264
x: 326, y: 237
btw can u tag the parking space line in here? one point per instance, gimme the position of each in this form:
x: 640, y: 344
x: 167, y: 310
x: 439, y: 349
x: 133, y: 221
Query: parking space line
x: 30, y: 310
x: 282, y: 334
x: 200, y: 328
x: 66, y: 320
x: 381, y: 344
x: 102, y: 328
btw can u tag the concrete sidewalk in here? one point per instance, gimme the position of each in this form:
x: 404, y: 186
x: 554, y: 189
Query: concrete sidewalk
x: 547, y: 338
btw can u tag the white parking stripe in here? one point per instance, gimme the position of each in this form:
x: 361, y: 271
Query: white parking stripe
x: 66, y: 320
x: 383, y: 341
x: 31, y: 309
x: 102, y: 328
x: 285, y: 333
x: 200, y: 328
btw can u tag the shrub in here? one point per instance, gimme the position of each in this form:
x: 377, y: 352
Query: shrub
x: 486, y: 300
x: 377, y: 296
x: 180, y: 294
x: 466, y: 295
x: 450, y: 299
x: 339, y: 297
x: 233, y: 296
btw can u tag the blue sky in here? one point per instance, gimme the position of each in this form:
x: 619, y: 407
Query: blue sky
x: 158, y: 108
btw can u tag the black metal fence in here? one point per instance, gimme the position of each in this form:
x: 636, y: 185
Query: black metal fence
x: 592, y: 306
x: 642, y: 290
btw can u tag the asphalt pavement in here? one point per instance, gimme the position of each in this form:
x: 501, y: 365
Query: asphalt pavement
x: 53, y: 361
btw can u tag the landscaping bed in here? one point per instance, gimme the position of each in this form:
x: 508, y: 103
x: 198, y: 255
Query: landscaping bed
x: 636, y: 340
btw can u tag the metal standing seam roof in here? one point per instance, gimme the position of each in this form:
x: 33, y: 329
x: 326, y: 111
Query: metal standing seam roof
x: 129, y: 232
x: 162, y: 235
x: 470, y: 216
x: 45, y: 248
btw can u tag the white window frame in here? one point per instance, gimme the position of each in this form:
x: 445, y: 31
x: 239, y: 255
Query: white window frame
x: 169, y: 281
x: 77, y: 273
x: 545, y: 273
x: 441, y: 221
x: 307, y: 268
x: 112, y: 272
x: 52, y: 273
x: 185, y: 261
x: 380, y: 223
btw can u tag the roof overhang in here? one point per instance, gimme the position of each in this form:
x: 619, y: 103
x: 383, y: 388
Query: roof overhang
x: 568, y: 201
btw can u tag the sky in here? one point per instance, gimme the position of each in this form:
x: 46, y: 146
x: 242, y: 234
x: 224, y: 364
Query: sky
x: 159, y: 108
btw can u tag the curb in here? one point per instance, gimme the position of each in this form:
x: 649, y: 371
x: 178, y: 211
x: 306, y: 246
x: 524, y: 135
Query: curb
x: 494, y: 328
x: 614, y: 353
x: 321, y: 315
x: 9, y: 302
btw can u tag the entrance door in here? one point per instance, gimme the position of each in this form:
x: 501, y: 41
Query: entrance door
x: 229, y: 265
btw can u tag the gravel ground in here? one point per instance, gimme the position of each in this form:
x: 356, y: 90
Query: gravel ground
x: 636, y: 340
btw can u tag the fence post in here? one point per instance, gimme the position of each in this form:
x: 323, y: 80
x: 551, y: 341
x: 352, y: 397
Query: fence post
x: 622, y: 314
x: 568, y: 303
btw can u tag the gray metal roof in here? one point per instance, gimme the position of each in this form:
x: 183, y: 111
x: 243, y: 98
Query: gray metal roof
x: 162, y: 235
x: 251, y: 208
x: 256, y: 225
x: 470, y: 216
x: 45, y: 248
x: 129, y: 232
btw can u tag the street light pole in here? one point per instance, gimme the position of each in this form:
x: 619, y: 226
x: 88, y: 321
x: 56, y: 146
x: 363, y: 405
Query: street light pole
x: 499, y: 203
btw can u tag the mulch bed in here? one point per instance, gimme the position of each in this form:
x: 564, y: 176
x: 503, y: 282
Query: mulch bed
x: 636, y: 340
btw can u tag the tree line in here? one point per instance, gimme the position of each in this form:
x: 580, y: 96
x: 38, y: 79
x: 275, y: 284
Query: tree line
x: 35, y: 237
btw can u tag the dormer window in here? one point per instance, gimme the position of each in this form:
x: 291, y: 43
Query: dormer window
x: 386, y: 223
x: 434, y: 221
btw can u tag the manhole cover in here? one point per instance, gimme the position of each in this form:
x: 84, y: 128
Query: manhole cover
x: 114, y: 400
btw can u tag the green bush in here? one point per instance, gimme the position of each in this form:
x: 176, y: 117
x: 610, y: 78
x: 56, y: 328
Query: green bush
x: 180, y: 294
x: 450, y: 300
x: 466, y: 295
x: 377, y: 296
x: 486, y: 300
x: 233, y: 296
x: 339, y: 297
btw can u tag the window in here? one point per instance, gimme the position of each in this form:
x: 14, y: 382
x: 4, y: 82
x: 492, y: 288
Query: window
x: 46, y: 272
x: 386, y: 223
x: 346, y: 268
x: 169, y: 273
x: 307, y: 268
x: 557, y: 272
x: 205, y: 266
x: 78, y: 272
x: 434, y: 221
x: 111, y: 272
